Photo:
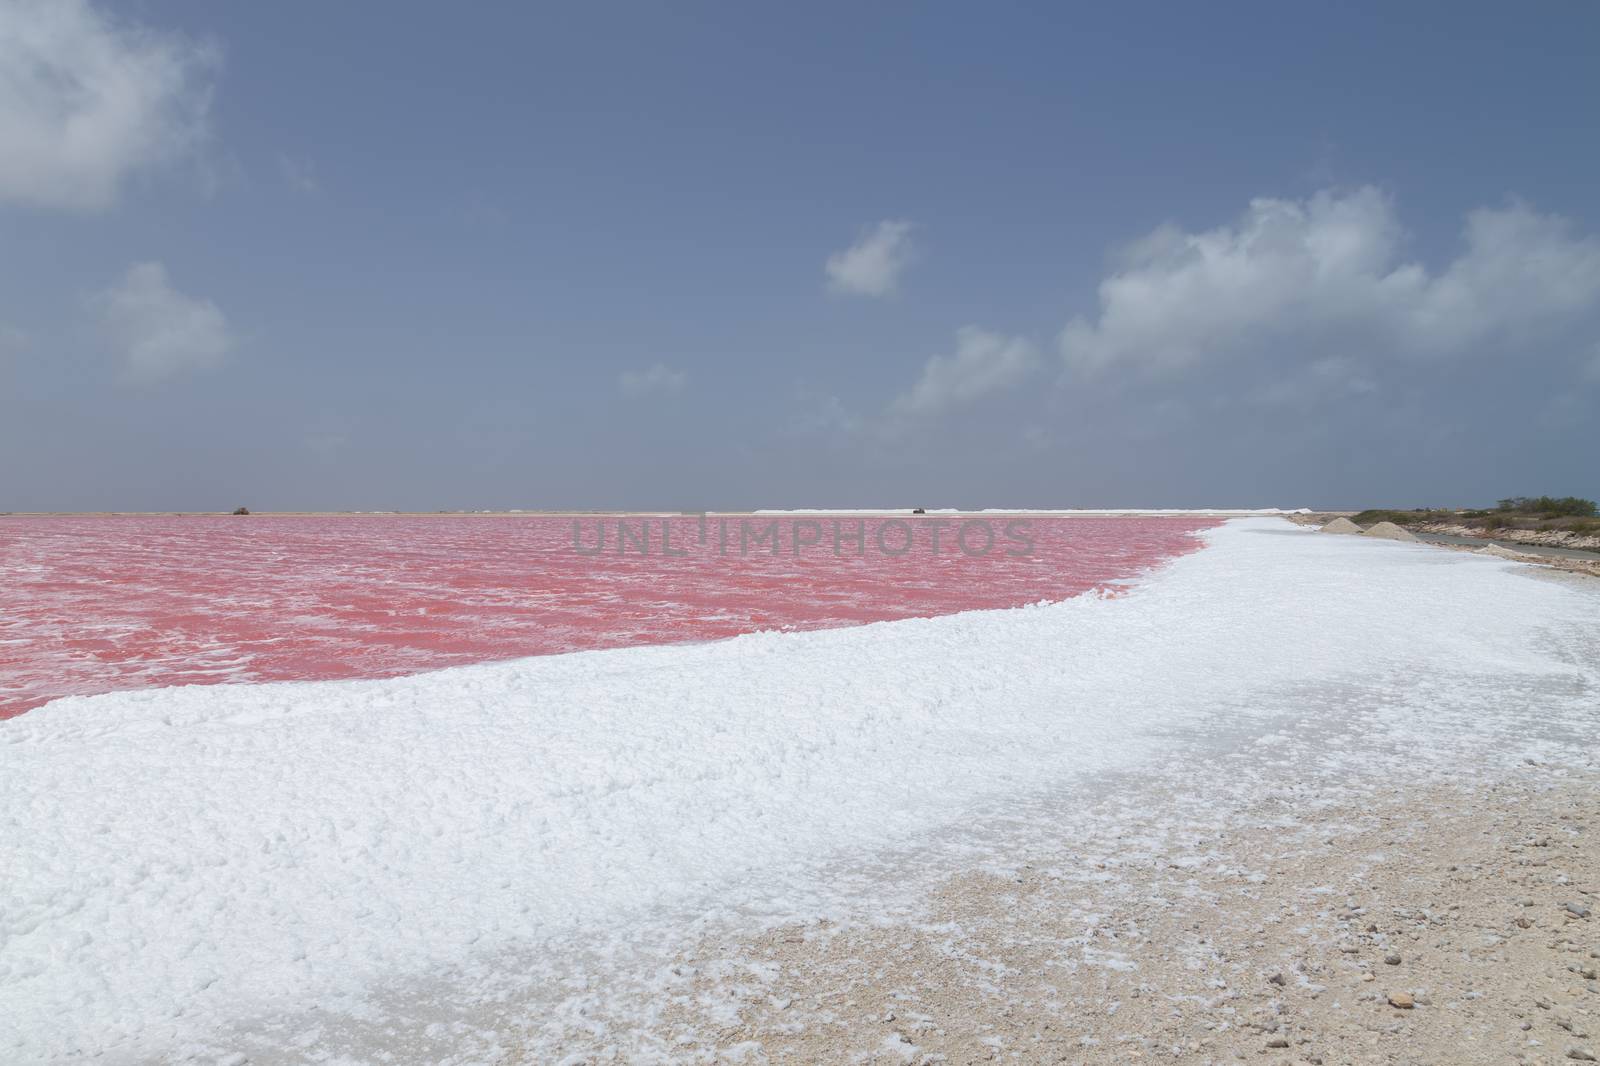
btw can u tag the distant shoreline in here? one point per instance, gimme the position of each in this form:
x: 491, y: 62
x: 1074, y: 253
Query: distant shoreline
x: 887, y: 512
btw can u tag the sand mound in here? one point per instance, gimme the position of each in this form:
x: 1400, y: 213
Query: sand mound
x: 1499, y: 552
x: 1341, y: 525
x: 1389, y: 531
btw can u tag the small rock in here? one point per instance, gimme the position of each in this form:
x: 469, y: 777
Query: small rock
x: 1368, y: 977
x: 1277, y: 1041
x: 1523, y: 923
x: 1577, y: 910
x: 1391, y: 959
x: 1401, y: 1000
x: 1276, y: 979
x: 1580, y: 1054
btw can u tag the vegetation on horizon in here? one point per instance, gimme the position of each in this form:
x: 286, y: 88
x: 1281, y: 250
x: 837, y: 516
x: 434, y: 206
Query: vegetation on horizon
x: 1514, y: 512
x: 1547, y: 506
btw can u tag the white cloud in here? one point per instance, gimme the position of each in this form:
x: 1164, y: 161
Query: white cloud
x: 655, y: 379
x: 299, y: 173
x: 158, y: 330
x: 1296, y: 275
x: 983, y: 363
x: 826, y: 417
x: 87, y: 98
x: 872, y: 266
x: 1333, y: 377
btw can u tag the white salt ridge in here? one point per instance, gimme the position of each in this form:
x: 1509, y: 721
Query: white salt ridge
x: 186, y: 858
x: 1212, y: 512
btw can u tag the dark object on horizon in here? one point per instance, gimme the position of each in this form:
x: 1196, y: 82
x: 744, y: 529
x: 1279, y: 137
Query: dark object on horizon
x: 919, y: 510
x: 241, y: 510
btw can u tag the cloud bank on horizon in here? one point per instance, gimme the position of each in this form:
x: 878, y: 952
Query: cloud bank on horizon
x: 459, y: 329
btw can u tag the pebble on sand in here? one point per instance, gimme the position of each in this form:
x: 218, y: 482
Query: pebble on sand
x: 1401, y: 1000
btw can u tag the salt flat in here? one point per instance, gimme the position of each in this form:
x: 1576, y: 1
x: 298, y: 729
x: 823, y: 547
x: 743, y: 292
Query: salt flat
x: 456, y: 863
x: 101, y: 603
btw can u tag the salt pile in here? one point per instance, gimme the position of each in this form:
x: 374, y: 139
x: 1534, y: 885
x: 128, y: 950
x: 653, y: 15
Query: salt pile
x: 1389, y: 531
x: 1341, y: 525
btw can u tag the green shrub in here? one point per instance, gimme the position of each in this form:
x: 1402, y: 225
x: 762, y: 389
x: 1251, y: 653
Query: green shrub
x: 1549, y: 506
x: 1399, y: 518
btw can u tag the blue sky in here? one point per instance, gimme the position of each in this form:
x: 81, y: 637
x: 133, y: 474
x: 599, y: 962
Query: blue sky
x: 415, y: 256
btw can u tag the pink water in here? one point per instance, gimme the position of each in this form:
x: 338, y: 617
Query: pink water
x: 96, y: 604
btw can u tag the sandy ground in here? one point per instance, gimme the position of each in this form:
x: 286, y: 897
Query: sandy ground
x: 1455, y: 899
x: 1287, y: 932
x: 1589, y: 567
